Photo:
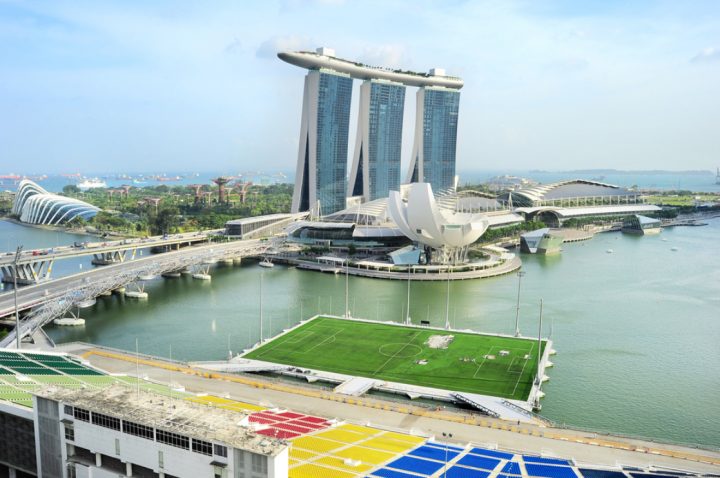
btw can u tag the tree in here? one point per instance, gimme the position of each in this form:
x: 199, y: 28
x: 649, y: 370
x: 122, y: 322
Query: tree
x: 166, y: 221
x: 70, y: 189
x: 78, y: 222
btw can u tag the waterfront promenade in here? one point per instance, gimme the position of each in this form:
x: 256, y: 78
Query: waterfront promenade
x: 583, y: 447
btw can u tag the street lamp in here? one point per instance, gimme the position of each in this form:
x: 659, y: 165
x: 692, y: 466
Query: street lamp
x: 446, y: 435
x: 18, y: 251
x: 407, y: 316
x: 520, y: 275
x: 347, y: 297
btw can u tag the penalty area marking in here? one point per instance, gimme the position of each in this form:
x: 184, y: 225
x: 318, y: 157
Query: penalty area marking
x: 532, y: 346
x: 327, y: 340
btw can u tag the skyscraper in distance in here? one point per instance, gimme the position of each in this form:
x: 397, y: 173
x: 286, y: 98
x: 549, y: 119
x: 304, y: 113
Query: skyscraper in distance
x: 321, y: 174
x: 434, y: 148
x: 376, y: 162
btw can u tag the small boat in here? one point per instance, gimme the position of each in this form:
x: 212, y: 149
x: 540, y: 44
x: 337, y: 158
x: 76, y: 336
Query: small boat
x: 266, y: 263
x: 609, y: 251
x: 91, y: 184
x: 202, y: 276
x: 674, y: 249
x: 146, y: 277
x: 171, y: 274
x: 69, y: 321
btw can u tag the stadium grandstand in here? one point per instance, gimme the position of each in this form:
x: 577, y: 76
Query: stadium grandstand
x: 35, y: 205
x: 317, y: 446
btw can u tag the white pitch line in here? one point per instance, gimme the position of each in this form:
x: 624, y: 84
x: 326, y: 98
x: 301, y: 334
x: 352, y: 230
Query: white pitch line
x: 393, y: 356
x: 532, y: 346
x: 322, y: 342
x: 483, y: 361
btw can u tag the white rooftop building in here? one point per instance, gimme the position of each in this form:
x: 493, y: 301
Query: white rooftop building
x: 118, y: 431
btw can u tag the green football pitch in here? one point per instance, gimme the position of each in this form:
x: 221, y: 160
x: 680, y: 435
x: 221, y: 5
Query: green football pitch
x: 484, y: 364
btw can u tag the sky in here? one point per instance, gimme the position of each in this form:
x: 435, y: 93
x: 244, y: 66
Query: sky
x: 134, y: 86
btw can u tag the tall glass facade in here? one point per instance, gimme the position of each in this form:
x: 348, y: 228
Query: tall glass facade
x: 333, y: 120
x: 376, y: 162
x: 440, y: 120
x: 387, y: 103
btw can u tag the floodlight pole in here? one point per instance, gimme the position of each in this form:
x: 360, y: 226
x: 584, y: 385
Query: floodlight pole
x: 347, y: 296
x: 407, y: 316
x: 18, y: 251
x: 520, y: 275
x: 137, y: 368
x: 447, y: 302
x: 261, y: 307
x: 539, y: 377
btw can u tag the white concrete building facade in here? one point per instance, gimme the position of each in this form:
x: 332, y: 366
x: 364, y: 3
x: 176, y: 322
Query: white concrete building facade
x: 118, y: 432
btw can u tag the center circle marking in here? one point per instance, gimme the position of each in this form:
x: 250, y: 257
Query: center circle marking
x: 398, y: 350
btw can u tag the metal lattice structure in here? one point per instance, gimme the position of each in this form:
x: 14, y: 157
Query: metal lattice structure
x: 162, y: 263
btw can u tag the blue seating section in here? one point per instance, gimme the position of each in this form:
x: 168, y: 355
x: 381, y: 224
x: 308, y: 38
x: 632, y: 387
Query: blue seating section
x: 434, y: 453
x: 550, y: 471
x: 385, y: 473
x: 443, y: 446
x: 481, y: 462
x: 462, y: 472
x: 430, y: 458
x: 547, y: 461
x: 493, y: 453
x: 512, y: 468
x: 416, y: 465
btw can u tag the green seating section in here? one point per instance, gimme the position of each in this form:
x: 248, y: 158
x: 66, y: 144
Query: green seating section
x: 40, y: 364
x: 40, y: 369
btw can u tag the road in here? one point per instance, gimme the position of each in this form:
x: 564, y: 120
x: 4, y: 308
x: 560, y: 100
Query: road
x: 53, y: 297
x: 91, y: 248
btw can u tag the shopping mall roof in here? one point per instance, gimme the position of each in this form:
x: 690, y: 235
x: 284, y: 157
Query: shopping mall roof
x: 606, y: 210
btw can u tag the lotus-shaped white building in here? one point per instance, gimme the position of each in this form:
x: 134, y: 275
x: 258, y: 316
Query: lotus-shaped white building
x: 447, y: 232
x: 35, y: 205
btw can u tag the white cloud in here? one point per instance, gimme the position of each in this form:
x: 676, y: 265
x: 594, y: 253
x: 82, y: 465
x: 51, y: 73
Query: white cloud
x: 270, y: 47
x: 707, y: 54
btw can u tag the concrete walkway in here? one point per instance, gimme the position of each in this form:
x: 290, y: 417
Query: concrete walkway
x: 584, y: 448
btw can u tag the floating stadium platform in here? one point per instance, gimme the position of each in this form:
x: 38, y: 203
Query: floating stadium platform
x: 495, y: 374
x: 319, y: 446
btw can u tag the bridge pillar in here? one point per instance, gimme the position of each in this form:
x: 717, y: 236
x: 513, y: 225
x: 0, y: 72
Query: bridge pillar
x: 28, y: 273
x: 111, y: 257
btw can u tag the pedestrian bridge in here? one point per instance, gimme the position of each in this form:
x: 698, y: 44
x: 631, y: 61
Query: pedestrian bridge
x: 35, y: 266
x: 51, y: 298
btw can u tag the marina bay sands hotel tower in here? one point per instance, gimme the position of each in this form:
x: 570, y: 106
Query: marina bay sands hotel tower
x: 321, y: 184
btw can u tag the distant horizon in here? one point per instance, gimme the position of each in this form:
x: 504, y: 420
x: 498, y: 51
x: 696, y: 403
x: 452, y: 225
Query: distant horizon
x: 290, y: 171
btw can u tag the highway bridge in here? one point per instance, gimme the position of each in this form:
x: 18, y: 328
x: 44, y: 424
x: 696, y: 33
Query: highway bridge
x: 35, y: 266
x: 50, y: 299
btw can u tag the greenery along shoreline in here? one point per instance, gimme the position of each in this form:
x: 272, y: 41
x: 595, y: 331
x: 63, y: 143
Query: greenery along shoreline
x: 152, y: 210
x: 162, y: 209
